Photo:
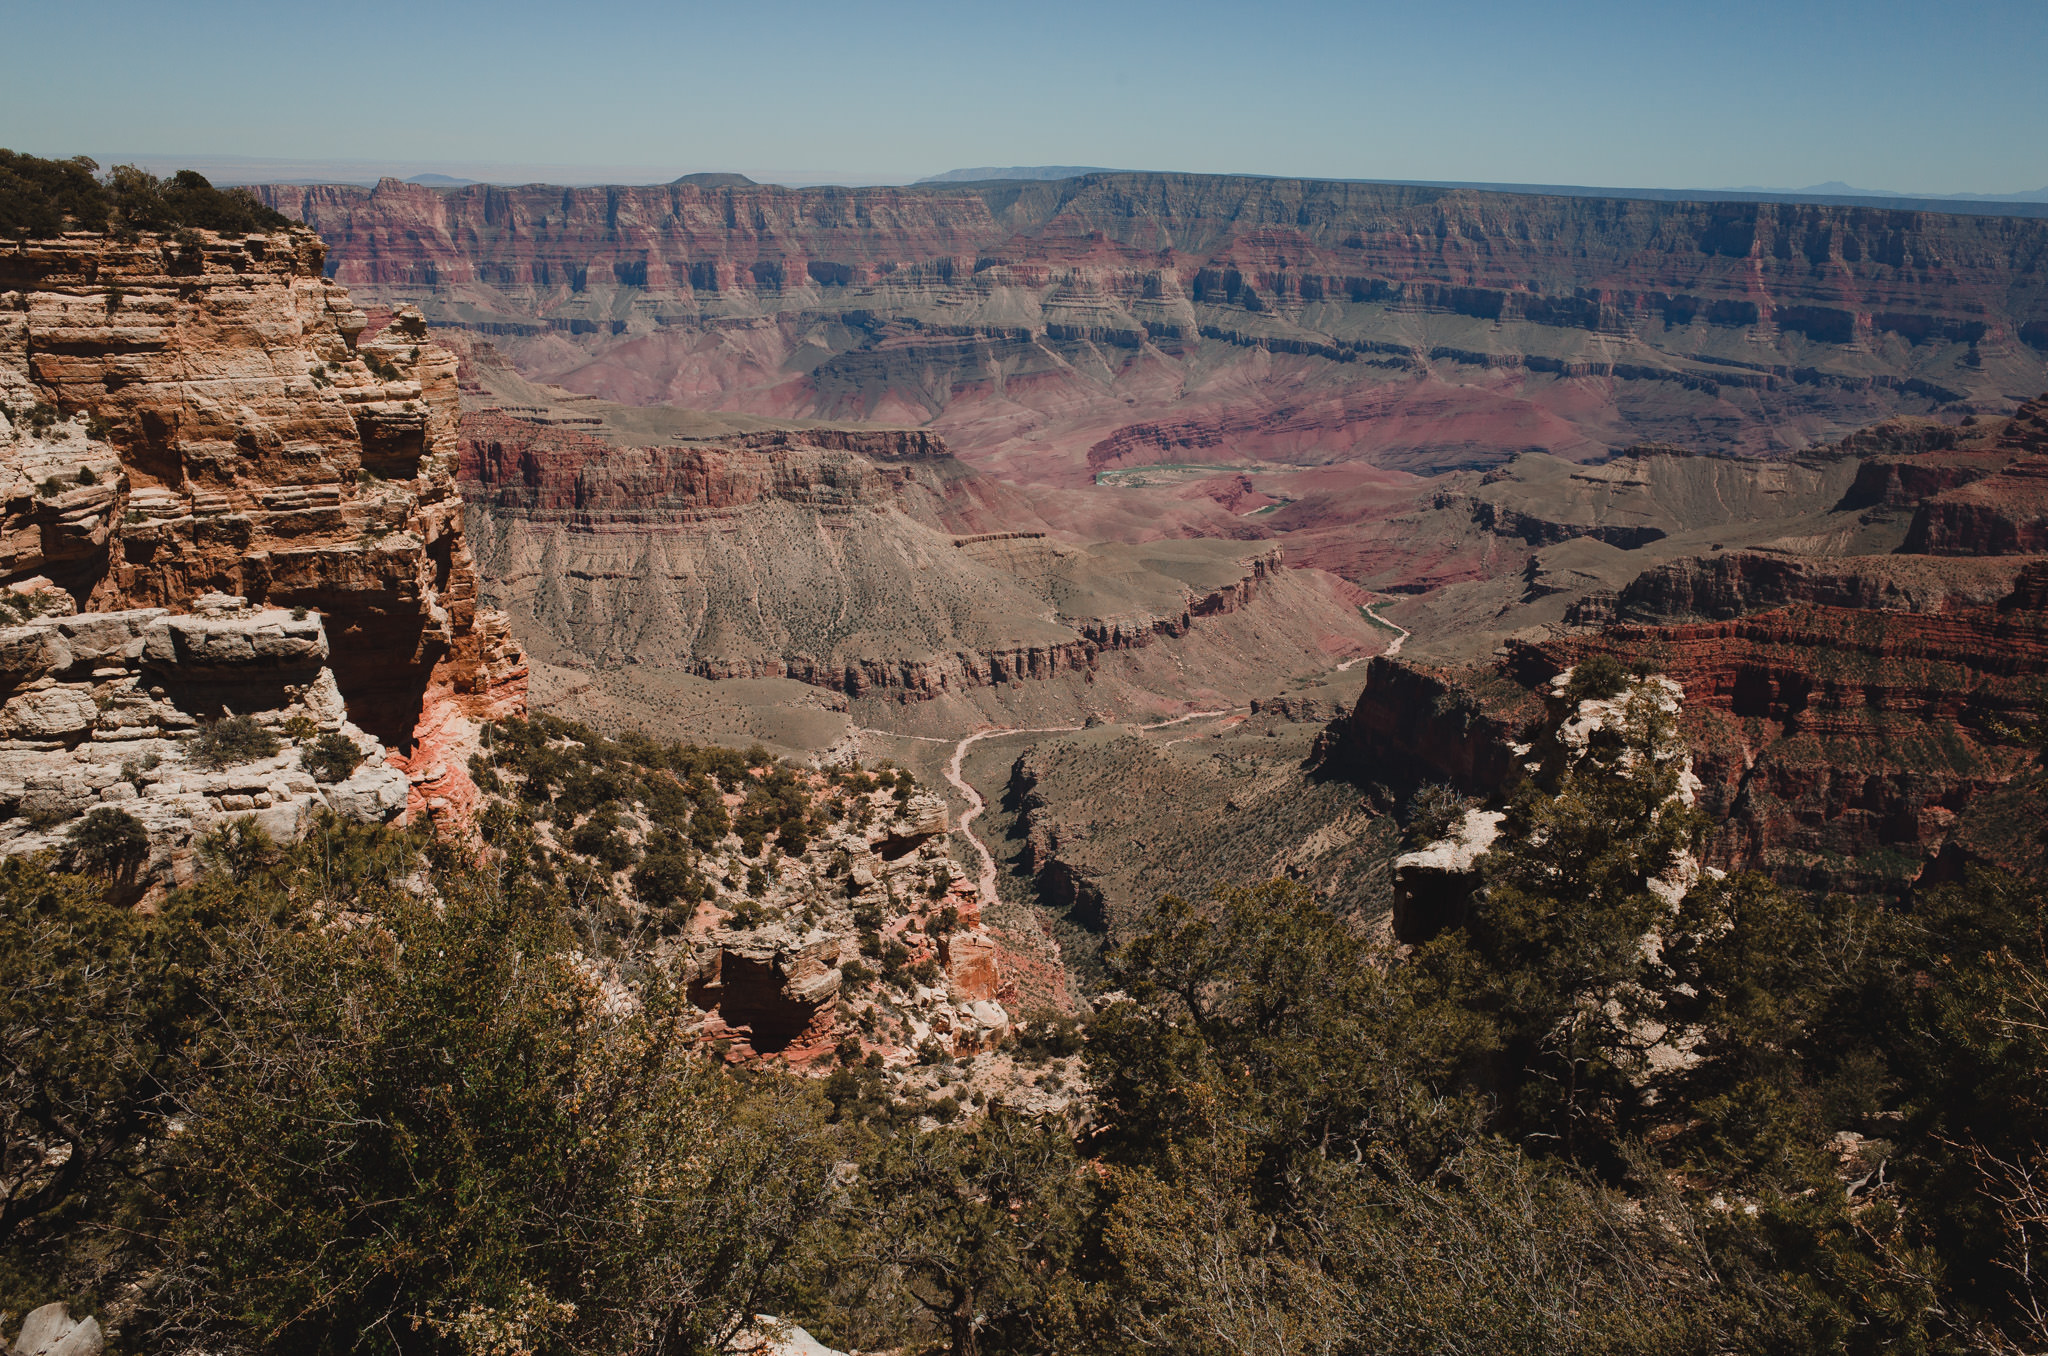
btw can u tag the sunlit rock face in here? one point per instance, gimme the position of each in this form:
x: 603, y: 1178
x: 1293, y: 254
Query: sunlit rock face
x: 204, y: 415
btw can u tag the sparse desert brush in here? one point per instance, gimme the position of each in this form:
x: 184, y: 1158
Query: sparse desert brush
x: 232, y: 740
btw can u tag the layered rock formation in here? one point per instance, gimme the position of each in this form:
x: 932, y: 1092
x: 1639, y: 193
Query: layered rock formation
x: 1996, y: 501
x: 834, y: 557
x: 1839, y: 747
x: 1852, y: 713
x: 204, y: 415
x: 1054, y: 330
x: 103, y: 713
x: 1738, y: 583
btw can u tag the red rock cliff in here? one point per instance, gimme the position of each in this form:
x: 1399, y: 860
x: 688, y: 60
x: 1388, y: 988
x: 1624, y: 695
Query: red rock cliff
x: 961, y: 303
x: 267, y: 450
x: 1838, y: 747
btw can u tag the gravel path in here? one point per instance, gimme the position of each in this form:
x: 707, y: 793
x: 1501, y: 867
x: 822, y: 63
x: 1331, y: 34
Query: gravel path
x: 975, y: 804
x: 1370, y: 610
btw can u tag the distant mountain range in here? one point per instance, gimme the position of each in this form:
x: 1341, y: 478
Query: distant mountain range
x: 1834, y: 192
x: 989, y: 173
x: 227, y: 170
x: 1837, y: 189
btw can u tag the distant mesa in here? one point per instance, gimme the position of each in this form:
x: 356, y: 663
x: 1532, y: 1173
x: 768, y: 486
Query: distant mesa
x: 439, y: 181
x: 1835, y: 188
x: 717, y: 180
x: 989, y: 173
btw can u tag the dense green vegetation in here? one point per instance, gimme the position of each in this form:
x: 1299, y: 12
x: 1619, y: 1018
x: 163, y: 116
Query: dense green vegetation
x: 369, y: 1093
x: 41, y: 198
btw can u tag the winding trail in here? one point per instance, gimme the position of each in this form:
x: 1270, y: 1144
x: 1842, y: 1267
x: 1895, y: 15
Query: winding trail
x: 975, y: 804
x: 1371, y: 610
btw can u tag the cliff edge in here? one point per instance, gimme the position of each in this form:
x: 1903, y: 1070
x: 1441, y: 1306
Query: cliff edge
x: 198, y: 423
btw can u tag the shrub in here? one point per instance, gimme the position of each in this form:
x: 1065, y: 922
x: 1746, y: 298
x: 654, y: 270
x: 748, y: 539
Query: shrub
x: 86, y: 477
x: 333, y: 757
x: 1599, y: 676
x: 41, y: 197
x: 238, y: 849
x: 107, y: 842
x: 665, y: 876
x: 1047, y: 1033
x: 231, y: 741
x: 434, y: 1127
x: 1434, y: 812
x: 140, y: 201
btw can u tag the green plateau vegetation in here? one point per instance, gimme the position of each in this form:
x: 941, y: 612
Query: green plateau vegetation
x: 369, y: 1093
x: 1164, y: 473
x: 41, y: 198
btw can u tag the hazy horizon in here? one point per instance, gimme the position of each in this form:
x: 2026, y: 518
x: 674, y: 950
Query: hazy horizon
x: 230, y: 170
x: 1890, y: 97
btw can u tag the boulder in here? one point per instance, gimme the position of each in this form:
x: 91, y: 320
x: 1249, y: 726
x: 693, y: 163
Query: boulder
x: 52, y: 1331
x: 48, y: 713
x: 373, y: 795
x: 268, y: 640
x: 28, y: 651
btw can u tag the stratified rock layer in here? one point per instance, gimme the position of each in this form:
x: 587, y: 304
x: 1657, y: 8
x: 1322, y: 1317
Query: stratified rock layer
x: 243, y: 436
x: 102, y: 706
x: 1837, y: 746
x: 848, y: 560
x: 1125, y: 319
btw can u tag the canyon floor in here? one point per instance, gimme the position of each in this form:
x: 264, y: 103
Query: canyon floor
x: 1360, y: 468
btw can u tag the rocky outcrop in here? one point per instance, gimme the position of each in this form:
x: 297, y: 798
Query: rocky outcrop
x: 1435, y: 883
x: 1414, y: 724
x: 206, y: 415
x: 1536, y: 530
x: 779, y: 987
x: 104, y: 710
x: 52, y: 1331
x: 1291, y: 708
x: 1738, y: 583
x: 2002, y: 510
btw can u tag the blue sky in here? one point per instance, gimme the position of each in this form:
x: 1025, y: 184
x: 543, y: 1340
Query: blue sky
x: 1909, y: 97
